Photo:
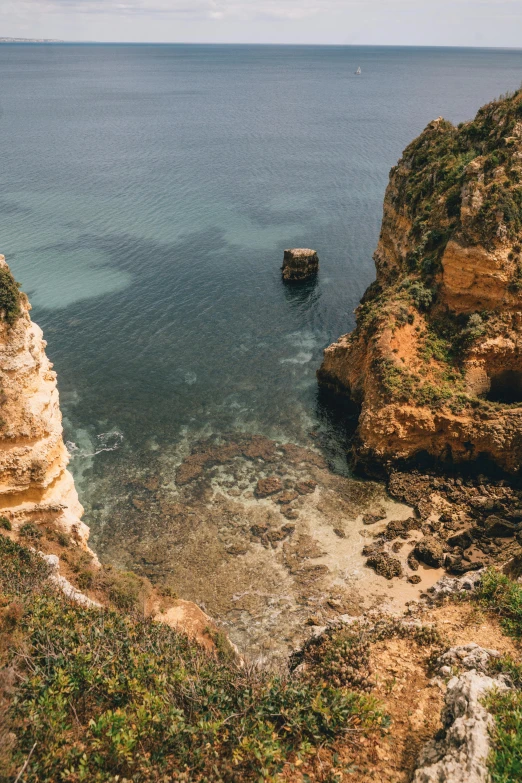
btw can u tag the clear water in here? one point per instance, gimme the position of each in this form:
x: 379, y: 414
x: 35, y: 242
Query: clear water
x: 148, y: 193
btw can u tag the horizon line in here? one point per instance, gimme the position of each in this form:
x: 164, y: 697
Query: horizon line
x: 19, y: 40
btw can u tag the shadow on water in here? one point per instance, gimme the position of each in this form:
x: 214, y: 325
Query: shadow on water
x: 302, y: 294
x: 338, y: 417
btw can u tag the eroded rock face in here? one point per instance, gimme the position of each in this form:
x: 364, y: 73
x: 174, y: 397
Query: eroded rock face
x: 436, y: 359
x: 35, y: 484
x: 460, y: 755
x: 299, y: 263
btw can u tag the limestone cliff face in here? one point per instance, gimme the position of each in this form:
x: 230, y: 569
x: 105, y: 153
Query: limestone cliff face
x: 436, y: 358
x: 34, y: 482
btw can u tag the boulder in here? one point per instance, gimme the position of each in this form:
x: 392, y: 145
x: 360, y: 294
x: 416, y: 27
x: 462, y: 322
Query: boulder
x: 429, y: 550
x: 448, y: 585
x: 497, y: 527
x: 287, y: 497
x: 385, y: 565
x: 299, y: 263
x: 463, y: 539
x: 467, y: 656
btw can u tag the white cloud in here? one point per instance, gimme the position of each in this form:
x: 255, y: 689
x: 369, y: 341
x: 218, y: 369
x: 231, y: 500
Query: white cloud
x: 288, y: 9
x: 453, y: 22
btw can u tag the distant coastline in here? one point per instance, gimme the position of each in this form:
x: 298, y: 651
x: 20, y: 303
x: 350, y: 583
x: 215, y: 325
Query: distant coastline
x: 31, y: 40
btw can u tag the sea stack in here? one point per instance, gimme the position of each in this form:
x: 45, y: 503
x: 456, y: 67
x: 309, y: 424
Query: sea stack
x: 435, y: 361
x: 299, y: 263
x: 35, y: 484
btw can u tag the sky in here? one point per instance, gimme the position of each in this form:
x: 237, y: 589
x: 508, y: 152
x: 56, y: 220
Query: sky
x: 496, y: 23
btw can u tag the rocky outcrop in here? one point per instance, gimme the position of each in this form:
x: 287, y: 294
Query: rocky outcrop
x: 300, y: 263
x: 35, y: 484
x: 460, y: 753
x: 435, y: 362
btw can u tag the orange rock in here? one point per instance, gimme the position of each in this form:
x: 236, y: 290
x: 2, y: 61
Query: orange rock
x: 439, y: 333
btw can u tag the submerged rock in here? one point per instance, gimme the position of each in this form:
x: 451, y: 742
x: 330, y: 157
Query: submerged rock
x: 268, y: 486
x: 299, y: 263
x: 306, y: 487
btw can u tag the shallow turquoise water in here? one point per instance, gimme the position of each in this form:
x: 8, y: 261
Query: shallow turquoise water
x: 148, y: 193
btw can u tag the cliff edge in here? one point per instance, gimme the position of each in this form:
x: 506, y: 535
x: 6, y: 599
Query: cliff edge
x: 435, y: 361
x: 35, y: 484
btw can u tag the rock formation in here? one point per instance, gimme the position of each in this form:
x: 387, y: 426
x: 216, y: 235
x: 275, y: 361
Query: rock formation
x: 435, y: 361
x: 299, y: 263
x: 35, y: 484
x: 460, y: 753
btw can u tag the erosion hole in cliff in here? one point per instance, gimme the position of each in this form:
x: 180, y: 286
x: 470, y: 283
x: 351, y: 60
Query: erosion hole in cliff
x: 506, y: 387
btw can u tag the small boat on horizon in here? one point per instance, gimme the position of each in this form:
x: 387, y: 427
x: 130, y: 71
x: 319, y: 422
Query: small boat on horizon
x: 358, y: 71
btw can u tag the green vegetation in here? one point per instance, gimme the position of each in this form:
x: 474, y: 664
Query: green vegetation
x: 500, y: 594
x: 421, y: 296
x: 505, y: 764
x: 440, y: 159
x: 342, y: 656
x: 475, y: 160
x: 101, y: 696
x: 30, y: 531
x: 404, y: 386
x: 9, y: 297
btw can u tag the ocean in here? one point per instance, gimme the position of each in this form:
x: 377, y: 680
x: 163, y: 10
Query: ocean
x: 148, y: 193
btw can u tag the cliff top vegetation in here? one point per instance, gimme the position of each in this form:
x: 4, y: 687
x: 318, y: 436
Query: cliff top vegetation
x: 435, y: 170
x: 106, y: 695
x: 460, y: 184
x: 90, y: 695
x: 10, y: 296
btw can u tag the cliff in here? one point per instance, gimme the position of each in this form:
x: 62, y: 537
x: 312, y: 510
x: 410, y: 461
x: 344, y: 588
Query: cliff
x: 435, y: 361
x: 35, y: 484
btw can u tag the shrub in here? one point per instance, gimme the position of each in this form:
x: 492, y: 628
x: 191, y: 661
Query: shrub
x: 505, y: 762
x: 30, y: 531
x: 499, y: 593
x: 106, y: 695
x: 102, y: 696
x: 9, y: 297
x: 453, y: 202
x: 475, y: 328
x: 504, y: 597
x: 21, y: 570
x: 124, y: 589
x: 63, y: 539
x: 422, y: 297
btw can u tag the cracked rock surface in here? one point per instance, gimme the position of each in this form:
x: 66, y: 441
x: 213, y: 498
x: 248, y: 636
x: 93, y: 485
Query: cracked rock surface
x: 461, y: 755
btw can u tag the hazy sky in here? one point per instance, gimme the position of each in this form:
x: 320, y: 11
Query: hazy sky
x: 436, y: 22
